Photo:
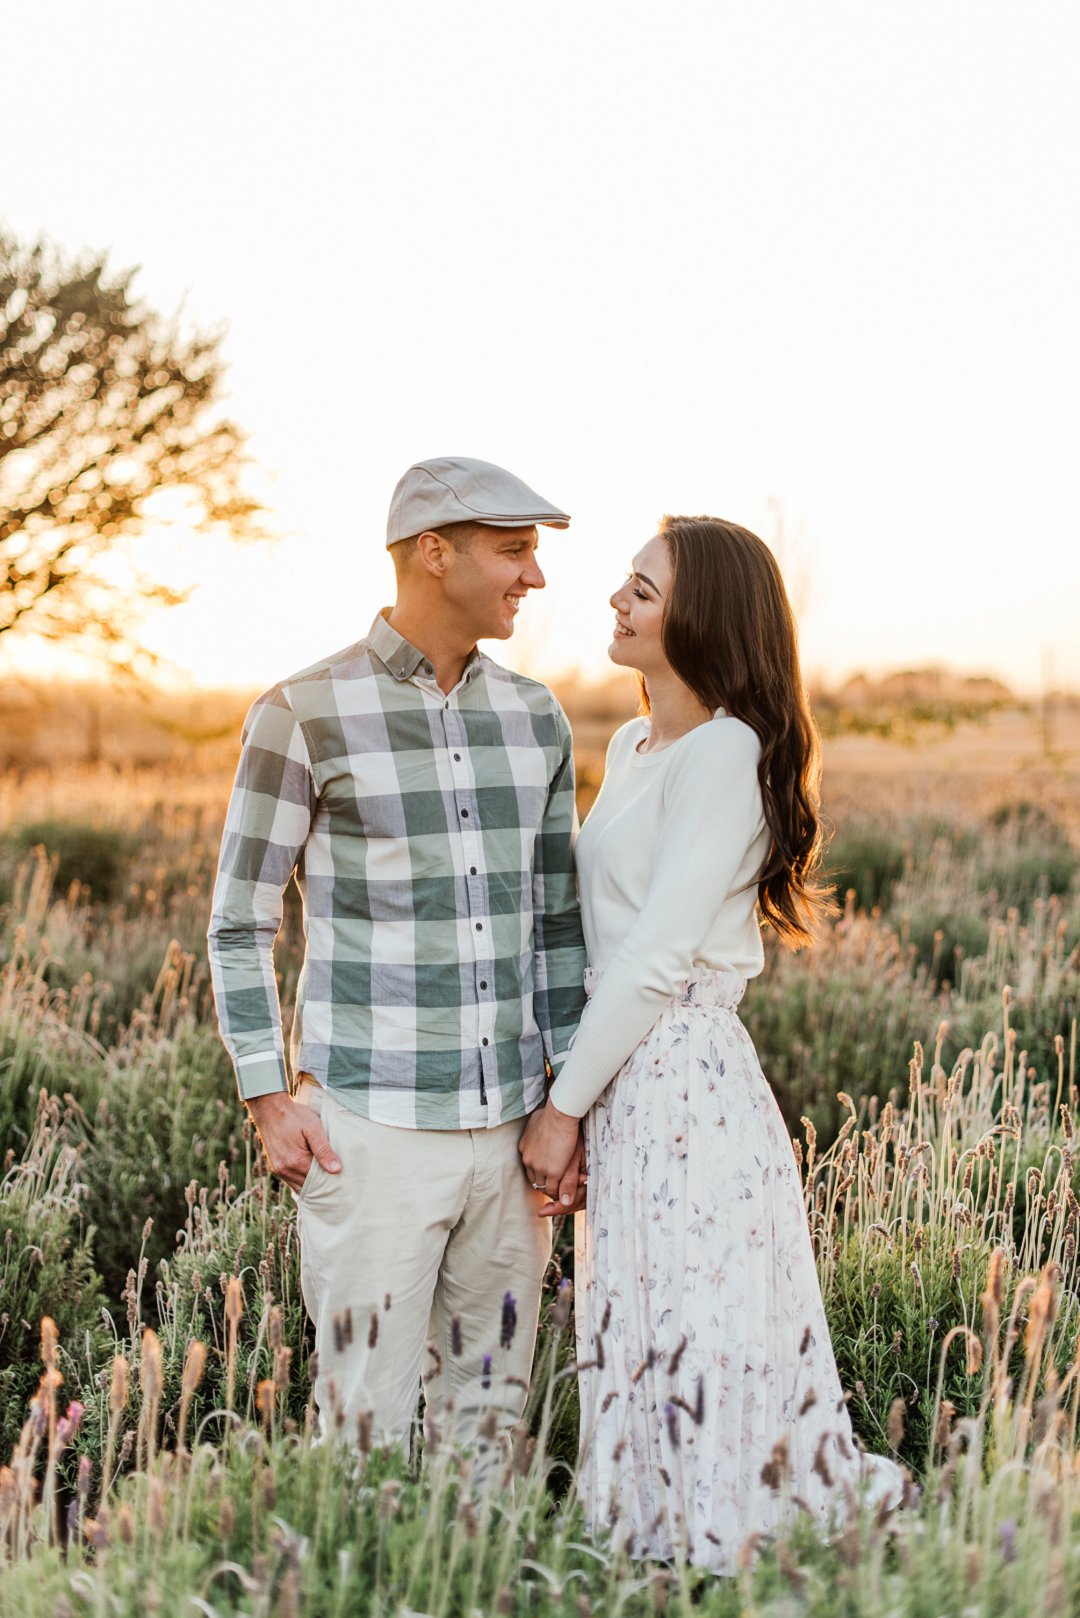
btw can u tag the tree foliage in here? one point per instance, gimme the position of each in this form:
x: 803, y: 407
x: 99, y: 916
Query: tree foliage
x: 102, y: 403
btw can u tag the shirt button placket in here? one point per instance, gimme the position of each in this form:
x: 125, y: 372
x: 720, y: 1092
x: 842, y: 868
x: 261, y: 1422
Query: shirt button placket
x: 480, y: 931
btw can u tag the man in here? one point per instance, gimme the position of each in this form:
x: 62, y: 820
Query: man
x: 424, y: 798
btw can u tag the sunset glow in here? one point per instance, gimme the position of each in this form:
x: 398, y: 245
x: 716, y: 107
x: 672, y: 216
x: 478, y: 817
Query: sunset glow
x: 812, y: 269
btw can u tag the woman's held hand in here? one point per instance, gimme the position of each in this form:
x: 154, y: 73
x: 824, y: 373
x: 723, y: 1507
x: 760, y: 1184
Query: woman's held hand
x: 549, y: 1147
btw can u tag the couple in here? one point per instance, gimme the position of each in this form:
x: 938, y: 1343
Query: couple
x: 424, y: 797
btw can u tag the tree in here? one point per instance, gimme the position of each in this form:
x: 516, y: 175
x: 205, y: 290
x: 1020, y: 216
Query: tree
x: 102, y: 404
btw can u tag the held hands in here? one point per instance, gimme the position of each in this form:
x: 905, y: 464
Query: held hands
x: 291, y: 1135
x: 553, y: 1154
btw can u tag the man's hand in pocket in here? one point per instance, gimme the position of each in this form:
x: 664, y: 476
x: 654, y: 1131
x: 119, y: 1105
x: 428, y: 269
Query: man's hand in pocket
x: 292, y: 1135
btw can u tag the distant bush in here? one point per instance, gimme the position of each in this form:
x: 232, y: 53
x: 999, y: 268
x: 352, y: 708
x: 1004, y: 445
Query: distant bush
x: 94, y: 856
x: 866, y: 861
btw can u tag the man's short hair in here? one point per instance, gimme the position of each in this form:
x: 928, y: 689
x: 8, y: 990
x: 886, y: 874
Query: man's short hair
x: 460, y: 535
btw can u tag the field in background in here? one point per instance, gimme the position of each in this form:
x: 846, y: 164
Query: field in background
x: 924, y: 1055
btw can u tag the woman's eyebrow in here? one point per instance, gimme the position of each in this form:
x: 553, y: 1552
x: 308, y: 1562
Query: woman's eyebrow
x: 645, y: 579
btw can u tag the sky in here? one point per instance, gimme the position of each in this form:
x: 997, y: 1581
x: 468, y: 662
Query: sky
x: 813, y: 268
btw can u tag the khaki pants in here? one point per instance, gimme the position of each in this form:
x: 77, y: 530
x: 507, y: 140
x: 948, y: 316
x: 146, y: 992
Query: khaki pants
x: 406, y: 1259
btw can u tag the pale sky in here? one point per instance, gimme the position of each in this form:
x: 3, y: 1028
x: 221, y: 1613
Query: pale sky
x: 690, y: 256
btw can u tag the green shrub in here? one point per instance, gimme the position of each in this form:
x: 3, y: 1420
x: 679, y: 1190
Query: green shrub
x: 167, y: 1115
x: 867, y: 861
x: 97, y: 857
x: 46, y: 1268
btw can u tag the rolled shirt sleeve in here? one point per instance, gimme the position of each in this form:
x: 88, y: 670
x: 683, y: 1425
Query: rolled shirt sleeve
x: 267, y: 824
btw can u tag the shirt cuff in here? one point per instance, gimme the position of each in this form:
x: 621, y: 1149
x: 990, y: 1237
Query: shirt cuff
x: 261, y: 1075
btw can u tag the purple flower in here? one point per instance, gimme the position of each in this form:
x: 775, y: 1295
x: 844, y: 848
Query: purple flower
x: 509, y: 1321
x: 70, y: 1422
x: 485, y: 1378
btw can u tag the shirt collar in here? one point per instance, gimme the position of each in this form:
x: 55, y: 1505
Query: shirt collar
x: 401, y: 657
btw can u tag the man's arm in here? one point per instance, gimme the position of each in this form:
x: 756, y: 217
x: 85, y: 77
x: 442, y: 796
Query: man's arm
x: 559, y: 945
x: 267, y: 824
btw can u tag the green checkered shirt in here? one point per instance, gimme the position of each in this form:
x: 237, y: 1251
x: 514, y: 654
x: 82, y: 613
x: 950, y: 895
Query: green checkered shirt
x: 431, y: 837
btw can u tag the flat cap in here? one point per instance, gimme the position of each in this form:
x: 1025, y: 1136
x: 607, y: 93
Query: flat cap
x: 453, y: 488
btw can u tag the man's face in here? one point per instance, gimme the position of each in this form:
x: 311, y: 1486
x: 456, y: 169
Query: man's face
x: 487, y: 583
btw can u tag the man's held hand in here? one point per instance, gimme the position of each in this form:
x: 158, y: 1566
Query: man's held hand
x: 292, y: 1135
x: 552, y: 1153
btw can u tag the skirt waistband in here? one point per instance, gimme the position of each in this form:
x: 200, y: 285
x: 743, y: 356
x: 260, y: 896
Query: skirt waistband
x: 718, y: 986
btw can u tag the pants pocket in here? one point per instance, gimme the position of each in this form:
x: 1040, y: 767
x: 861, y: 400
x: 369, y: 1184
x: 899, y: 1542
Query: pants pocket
x: 312, y: 1094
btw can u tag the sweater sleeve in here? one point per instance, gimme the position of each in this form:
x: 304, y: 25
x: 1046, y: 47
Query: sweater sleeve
x: 712, y: 815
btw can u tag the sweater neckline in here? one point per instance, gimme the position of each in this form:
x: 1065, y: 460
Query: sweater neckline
x: 646, y: 760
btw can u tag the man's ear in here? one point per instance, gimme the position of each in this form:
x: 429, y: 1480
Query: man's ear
x: 431, y: 550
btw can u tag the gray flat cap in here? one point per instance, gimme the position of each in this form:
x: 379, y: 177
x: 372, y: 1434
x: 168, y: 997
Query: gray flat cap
x: 452, y: 488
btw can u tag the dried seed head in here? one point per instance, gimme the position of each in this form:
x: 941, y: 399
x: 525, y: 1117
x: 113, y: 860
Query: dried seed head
x: 118, y: 1385
x: 50, y: 1342
x: 96, y: 1530
x: 776, y: 1468
x: 264, y: 1399
x: 943, y: 1430
x: 155, y: 1506
x: 365, y: 1425
x: 194, y: 1366
x: 234, y: 1301
x: 522, y: 1449
x: 820, y: 1465
x: 895, y: 1427
x: 150, y: 1373
x: 275, y: 1330
x: 489, y: 1427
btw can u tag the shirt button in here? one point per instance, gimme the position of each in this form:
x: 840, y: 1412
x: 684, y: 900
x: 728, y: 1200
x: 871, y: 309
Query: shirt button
x: 472, y: 870
x: 483, y: 983
x: 457, y: 758
x: 483, y: 1042
x: 446, y: 705
x: 479, y: 926
x: 464, y: 814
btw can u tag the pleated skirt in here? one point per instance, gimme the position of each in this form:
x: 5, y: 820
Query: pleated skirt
x: 711, y: 1406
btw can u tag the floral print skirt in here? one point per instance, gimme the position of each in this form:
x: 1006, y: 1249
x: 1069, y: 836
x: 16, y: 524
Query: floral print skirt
x: 711, y: 1407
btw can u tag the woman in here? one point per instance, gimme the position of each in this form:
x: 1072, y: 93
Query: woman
x: 711, y: 1405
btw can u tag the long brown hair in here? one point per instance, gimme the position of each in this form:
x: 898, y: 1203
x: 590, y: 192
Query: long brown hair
x: 729, y: 634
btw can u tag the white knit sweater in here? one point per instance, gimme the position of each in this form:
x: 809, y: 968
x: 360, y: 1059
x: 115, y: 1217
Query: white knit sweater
x: 667, y: 861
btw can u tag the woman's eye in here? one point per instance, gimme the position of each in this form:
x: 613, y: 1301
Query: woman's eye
x: 640, y: 594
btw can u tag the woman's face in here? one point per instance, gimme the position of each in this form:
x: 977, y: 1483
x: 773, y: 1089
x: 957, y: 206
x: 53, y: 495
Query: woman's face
x: 639, y: 609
